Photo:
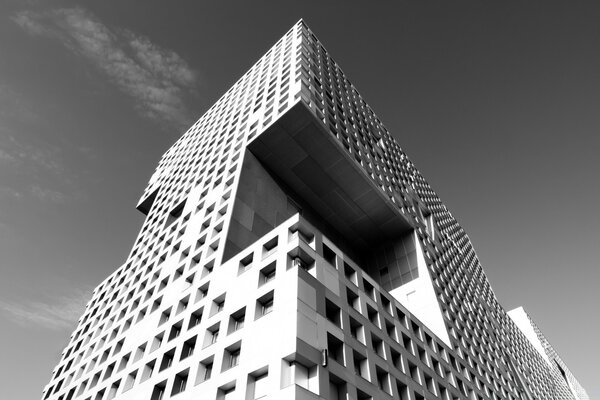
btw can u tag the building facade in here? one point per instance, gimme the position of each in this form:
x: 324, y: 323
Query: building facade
x: 292, y: 250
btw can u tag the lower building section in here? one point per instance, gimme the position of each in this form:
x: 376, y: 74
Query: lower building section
x: 316, y: 327
x: 292, y: 316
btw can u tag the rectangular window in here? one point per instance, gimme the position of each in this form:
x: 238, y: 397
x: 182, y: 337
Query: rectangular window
x: 333, y: 313
x: 147, y: 372
x: 167, y: 360
x: 260, y: 387
x: 175, y: 330
x: 195, y: 318
x: 360, y: 365
x: 264, y: 305
x: 204, y: 370
x: 267, y: 307
x: 234, y: 358
x: 180, y: 382
x: 236, y: 320
x: 129, y: 382
x: 267, y: 274
x: 188, y: 348
x: 159, y: 391
x: 231, y: 356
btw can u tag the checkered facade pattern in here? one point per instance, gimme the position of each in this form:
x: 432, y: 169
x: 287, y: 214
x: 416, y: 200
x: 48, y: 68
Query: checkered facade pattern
x: 290, y: 250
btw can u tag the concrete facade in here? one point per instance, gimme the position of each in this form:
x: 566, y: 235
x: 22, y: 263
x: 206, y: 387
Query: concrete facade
x: 291, y: 250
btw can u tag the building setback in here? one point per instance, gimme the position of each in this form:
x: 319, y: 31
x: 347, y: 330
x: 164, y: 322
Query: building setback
x: 291, y: 250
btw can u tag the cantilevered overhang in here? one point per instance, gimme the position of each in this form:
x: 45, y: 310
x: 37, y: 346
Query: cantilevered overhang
x: 299, y: 151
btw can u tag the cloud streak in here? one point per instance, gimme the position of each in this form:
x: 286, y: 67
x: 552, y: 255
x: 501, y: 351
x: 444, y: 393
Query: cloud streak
x: 41, y: 164
x: 62, y: 313
x: 156, y: 78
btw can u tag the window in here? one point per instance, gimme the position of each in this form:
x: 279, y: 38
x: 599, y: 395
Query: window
x: 378, y: 346
x: 329, y: 255
x: 218, y: 305
x: 361, y: 367
x: 270, y: 247
x: 175, y: 330
x: 164, y: 317
x: 130, y: 381
x: 390, y: 328
x: 267, y: 273
x: 175, y: 213
x: 357, y: 331
x: 195, y: 318
x: 188, y: 348
x: 335, y: 348
x: 397, y: 360
x: 353, y: 299
x: 156, y: 342
x: 147, y: 372
x: 430, y: 384
x: 112, y: 393
x: 373, y: 316
x: 183, y: 303
x: 383, y: 381
x: 239, y: 323
x: 231, y: 356
x: 338, y: 389
x: 264, y: 305
x: 333, y: 313
x: 109, y: 371
x: 95, y: 379
x: 167, y: 360
x: 234, y: 358
x: 257, y: 386
x: 139, y: 353
x: 201, y: 292
x: 246, y: 263
x: 179, y: 382
x: 414, y: 372
x: 402, y: 390
x: 204, y: 370
x: 236, y: 321
x: 267, y: 307
x: 350, y: 274
x: 370, y: 290
x: 304, y: 376
x: 159, y: 391
x: 212, y: 334
x: 124, y: 361
x: 225, y: 392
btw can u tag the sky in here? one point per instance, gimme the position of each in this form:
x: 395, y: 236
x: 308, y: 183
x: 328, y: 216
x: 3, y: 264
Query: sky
x: 495, y: 102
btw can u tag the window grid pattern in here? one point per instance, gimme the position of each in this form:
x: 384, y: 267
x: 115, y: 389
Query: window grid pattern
x: 164, y: 285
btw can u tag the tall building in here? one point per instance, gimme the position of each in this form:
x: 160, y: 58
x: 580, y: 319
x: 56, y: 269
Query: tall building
x: 291, y: 250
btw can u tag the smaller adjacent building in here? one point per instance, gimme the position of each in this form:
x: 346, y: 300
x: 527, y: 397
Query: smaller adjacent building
x: 541, y: 344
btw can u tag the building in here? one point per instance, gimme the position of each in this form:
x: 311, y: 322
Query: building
x: 540, y: 343
x: 292, y: 250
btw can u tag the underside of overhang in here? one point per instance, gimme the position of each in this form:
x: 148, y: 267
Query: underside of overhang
x: 300, y: 152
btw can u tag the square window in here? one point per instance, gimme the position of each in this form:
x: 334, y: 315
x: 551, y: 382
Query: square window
x: 180, y: 382
x: 267, y: 274
x: 188, y: 348
x: 205, y: 368
x: 236, y: 320
x: 264, y: 305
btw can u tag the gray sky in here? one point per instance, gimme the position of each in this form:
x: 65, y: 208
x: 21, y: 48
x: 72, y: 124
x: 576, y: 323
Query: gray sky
x: 497, y: 103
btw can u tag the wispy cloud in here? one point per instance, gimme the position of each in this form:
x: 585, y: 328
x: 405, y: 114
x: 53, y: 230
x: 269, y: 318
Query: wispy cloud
x: 40, y: 157
x: 50, y: 195
x: 60, y: 313
x: 155, y: 77
x: 41, y: 164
